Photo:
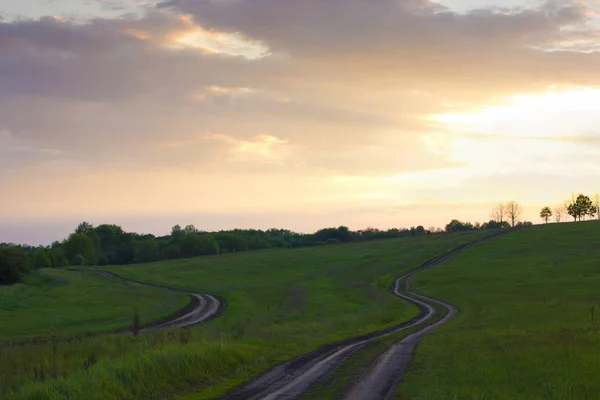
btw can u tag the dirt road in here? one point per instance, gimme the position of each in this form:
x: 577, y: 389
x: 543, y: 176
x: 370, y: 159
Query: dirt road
x: 294, y: 378
x: 204, y: 307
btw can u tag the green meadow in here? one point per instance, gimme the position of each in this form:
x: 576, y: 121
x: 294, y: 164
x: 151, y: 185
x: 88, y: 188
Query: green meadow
x: 280, y: 304
x: 529, y: 319
x: 65, y: 302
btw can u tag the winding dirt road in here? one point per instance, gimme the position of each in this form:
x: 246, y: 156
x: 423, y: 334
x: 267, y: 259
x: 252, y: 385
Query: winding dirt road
x: 204, y: 307
x: 294, y: 378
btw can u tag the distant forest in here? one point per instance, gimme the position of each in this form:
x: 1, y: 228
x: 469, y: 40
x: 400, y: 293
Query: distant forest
x: 111, y: 245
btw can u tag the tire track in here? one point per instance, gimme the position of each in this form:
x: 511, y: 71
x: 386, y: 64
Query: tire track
x: 385, y: 373
x: 294, y: 378
x: 204, y: 307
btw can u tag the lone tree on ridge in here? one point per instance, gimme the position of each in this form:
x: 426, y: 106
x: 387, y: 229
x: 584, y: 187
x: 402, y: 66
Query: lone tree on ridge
x: 581, y: 207
x: 513, y: 212
x: 498, y: 213
x: 545, y: 214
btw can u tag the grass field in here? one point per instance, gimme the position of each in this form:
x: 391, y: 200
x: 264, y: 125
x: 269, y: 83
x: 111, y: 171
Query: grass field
x: 524, y: 328
x: 281, y: 303
x: 67, y: 302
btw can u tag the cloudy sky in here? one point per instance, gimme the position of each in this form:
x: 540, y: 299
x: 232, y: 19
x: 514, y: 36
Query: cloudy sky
x: 292, y: 113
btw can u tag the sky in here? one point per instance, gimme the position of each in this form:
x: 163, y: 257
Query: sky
x: 296, y: 114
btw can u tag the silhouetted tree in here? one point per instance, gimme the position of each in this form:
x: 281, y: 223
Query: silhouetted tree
x: 545, y: 214
x: 499, y: 212
x: 189, y: 229
x: 177, y: 233
x: 458, y: 226
x: 513, y: 212
x: 558, y: 212
x: 581, y: 207
x: 84, y: 228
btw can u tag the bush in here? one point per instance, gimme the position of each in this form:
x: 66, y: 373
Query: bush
x: 14, y: 265
x: 78, y: 260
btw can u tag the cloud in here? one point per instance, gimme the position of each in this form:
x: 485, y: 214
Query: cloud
x: 291, y: 90
x: 16, y: 153
x: 410, y: 44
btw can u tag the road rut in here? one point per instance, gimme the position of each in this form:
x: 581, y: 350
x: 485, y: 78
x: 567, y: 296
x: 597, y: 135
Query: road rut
x: 204, y: 306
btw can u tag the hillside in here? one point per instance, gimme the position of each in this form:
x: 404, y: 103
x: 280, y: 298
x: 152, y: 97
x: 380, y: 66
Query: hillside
x: 528, y: 324
x: 280, y: 303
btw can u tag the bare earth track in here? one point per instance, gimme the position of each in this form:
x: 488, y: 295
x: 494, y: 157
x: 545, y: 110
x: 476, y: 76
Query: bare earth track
x: 294, y: 378
x: 204, y: 307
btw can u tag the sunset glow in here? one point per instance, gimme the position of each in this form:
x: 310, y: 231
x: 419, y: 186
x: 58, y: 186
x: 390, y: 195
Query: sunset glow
x: 294, y: 114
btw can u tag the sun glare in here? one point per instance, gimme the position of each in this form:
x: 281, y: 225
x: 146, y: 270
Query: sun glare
x: 551, y: 114
x: 534, y: 133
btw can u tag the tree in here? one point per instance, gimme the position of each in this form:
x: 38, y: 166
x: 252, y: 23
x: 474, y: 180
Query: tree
x: 177, y: 233
x: 596, y: 203
x: 41, y: 259
x: 189, y: 229
x: 208, y: 245
x: 545, y: 214
x: 491, y: 224
x: 58, y: 257
x: 110, y: 238
x: 79, y: 243
x: 581, y: 207
x: 84, y: 228
x: 231, y: 243
x: 498, y: 213
x: 558, y: 212
x: 458, y: 226
x: 14, y: 265
x: 513, y: 212
x: 146, y: 251
x: 172, y: 252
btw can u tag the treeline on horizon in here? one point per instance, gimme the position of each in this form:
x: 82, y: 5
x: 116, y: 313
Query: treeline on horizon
x: 110, y: 245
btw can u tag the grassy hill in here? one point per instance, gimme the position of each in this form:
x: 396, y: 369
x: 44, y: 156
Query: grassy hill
x: 67, y: 302
x: 281, y: 303
x: 524, y: 328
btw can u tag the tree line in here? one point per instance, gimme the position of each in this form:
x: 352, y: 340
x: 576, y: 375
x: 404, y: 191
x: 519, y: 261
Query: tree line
x: 578, y: 207
x: 111, y: 245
